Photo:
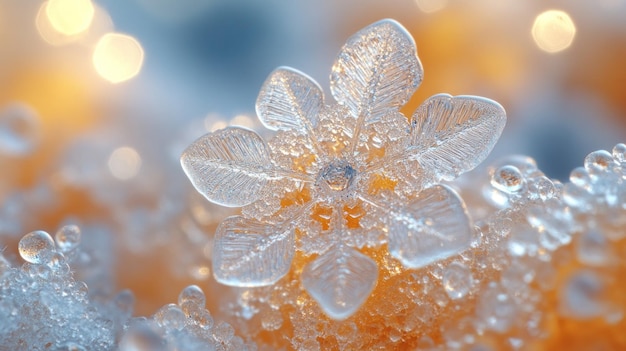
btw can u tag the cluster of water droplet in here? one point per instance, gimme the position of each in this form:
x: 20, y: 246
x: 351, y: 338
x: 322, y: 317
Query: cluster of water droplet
x: 187, y: 325
x: 42, y: 307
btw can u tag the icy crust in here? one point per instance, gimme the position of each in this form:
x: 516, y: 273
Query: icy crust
x: 533, y: 243
x: 344, y: 173
x: 42, y: 307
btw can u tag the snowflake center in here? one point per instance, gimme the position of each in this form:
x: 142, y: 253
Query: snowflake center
x: 337, y: 175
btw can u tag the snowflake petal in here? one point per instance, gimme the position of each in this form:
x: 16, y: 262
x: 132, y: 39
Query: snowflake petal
x: 340, y: 281
x: 248, y: 253
x: 376, y: 71
x: 433, y: 227
x: 455, y: 134
x: 289, y: 100
x: 229, y: 167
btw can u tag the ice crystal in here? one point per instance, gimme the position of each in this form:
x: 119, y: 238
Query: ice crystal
x: 346, y: 174
x: 42, y: 307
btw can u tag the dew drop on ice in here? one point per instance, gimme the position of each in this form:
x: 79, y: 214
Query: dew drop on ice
x: 19, y: 130
x: 457, y: 280
x: 170, y: 317
x: 598, y: 161
x: 508, y: 179
x: 67, y: 238
x: 619, y: 153
x: 223, y: 332
x: 192, y: 294
x: 36, y: 247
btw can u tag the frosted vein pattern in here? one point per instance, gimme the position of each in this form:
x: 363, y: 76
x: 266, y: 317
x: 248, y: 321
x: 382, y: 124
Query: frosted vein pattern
x: 424, y: 232
x: 455, y: 134
x: 340, y: 280
x: 229, y: 167
x: 376, y: 71
x: 251, y: 253
x: 342, y: 176
x: 289, y: 100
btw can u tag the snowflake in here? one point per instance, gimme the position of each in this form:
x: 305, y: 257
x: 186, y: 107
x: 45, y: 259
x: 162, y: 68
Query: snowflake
x: 346, y: 174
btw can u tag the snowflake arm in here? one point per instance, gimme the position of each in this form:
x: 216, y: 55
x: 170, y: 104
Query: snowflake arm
x: 290, y: 100
x: 342, y: 278
x: 232, y: 166
x: 250, y: 253
x: 375, y: 73
x: 454, y: 134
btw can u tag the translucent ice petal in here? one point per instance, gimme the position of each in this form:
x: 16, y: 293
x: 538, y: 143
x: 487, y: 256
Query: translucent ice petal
x: 340, y: 281
x: 229, y: 167
x: 454, y: 134
x: 376, y: 71
x: 432, y: 227
x: 249, y: 253
x: 289, y: 100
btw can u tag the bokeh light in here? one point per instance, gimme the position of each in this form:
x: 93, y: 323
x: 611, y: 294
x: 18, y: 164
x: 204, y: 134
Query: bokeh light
x: 430, y: 6
x: 70, y: 17
x: 100, y: 23
x: 124, y: 163
x: 553, y: 31
x: 118, y: 57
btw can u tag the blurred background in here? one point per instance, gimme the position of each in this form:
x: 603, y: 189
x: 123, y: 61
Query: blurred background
x: 99, y: 98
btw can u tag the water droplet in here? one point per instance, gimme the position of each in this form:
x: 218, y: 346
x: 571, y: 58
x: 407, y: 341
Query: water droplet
x: 36, y: 247
x: 619, y: 153
x: 200, y: 316
x: 580, y: 177
x: 338, y: 175
x: 170, y: 317
x: 58, y: 263
x: 457, y: 280
x: 125, y: 301
x: 599, y: 161
x: 19, y: 130
x: 508, y: 179
x: 68, y: 238
x: 223, y: 332
x: 544, y: 188
x: 192, y: 294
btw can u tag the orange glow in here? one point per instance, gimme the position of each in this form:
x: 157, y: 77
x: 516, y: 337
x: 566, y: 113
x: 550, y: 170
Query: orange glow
x: 380, y: 183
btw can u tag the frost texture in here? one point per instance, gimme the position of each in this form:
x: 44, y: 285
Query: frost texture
x: 345, y: 174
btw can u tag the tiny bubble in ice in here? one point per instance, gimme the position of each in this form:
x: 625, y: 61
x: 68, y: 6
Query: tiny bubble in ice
x: 599, y: 161
x: 192, y: 294
x: 37, y: 247
x: 619, y: 153
x: 67, y: 238
x: 508, y: 179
